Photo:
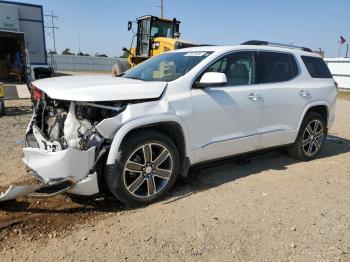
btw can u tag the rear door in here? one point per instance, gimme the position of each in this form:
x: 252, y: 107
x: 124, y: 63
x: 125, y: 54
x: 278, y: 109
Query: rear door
x: 285, y: 95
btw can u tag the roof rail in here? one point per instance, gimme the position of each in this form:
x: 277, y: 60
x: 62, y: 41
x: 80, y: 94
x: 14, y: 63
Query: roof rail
x: 259, y: 42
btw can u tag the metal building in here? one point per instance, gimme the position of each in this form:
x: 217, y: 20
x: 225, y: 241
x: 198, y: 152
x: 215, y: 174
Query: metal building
x: 22, y: 36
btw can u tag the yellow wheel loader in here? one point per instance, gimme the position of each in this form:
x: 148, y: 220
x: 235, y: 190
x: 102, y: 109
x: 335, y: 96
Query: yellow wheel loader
x: 154, y: 36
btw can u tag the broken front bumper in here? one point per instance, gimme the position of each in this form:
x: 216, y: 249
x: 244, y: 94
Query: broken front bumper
x: 53, y: 168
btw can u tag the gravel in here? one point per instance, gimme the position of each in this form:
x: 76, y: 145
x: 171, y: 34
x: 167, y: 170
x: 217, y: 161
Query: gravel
x: 271, y: 208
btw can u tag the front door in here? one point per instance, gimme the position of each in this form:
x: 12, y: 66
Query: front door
x: 226, y: 119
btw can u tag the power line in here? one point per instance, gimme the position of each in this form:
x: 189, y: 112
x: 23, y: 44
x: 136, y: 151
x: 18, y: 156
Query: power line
x: 52, y: 26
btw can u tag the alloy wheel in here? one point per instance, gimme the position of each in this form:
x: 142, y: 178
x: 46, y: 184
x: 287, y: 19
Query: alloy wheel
x: 312, y: 138
x: 148, y: 170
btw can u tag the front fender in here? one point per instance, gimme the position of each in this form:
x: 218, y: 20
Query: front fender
x: 137, y: 123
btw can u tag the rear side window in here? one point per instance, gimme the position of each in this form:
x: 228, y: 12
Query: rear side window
x: 317, y: 67
x: 276, y: 67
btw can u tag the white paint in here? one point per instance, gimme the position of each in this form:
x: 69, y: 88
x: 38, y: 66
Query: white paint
x: 213, y: 78
x: 98, y: 88
x: 54, y: 165
x: 87, y: 186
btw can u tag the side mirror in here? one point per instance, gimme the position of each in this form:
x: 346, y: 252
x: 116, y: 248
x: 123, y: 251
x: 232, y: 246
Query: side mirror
x: 129, y: 25
x: 212, y: 79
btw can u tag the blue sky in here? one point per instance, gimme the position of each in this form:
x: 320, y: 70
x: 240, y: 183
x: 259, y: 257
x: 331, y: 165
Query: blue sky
x: 102, y: 25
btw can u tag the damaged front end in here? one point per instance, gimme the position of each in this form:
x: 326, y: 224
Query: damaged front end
x: 63, y: 147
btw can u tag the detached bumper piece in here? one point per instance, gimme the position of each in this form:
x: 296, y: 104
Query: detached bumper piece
x: 63, y: 171
x: 14, y: 192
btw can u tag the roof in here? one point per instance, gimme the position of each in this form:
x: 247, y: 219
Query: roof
x: 156, y: 17
x: 19, y: 3
x: 247, y: 47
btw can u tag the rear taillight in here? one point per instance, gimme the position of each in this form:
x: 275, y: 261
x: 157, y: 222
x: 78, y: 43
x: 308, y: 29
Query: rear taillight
x: 37, y: 94
x: 336, y: 86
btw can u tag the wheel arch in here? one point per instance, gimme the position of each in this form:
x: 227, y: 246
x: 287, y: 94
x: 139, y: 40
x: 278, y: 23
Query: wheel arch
x: 321, y: 107
x: 172, y: 126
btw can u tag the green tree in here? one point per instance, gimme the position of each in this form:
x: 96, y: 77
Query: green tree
x: 100, y: 55
x: 125, y: 54
x: 67, y: 52
x: 82, y: 54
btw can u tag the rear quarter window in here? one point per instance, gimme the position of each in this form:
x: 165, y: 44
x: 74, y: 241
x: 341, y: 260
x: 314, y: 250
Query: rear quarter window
x: 316, y: 67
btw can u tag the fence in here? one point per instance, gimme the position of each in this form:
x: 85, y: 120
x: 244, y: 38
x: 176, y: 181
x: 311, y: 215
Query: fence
x: 81, y: 63
x: 340, y: 69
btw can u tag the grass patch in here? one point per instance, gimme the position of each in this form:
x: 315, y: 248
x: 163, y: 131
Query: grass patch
x: 344, y: 95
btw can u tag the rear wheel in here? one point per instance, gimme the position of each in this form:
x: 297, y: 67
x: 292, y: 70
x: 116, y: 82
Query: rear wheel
x: 311, y: 137
x: 145, y: 170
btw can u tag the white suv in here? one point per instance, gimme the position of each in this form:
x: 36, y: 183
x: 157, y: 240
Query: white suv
x: 133, y: 135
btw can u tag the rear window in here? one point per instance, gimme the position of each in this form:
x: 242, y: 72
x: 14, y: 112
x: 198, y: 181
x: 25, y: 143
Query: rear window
x: 317, y: 67
x: 277, y: 67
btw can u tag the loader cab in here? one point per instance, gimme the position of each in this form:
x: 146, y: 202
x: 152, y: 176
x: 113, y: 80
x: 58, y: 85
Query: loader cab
x: 151, y: 27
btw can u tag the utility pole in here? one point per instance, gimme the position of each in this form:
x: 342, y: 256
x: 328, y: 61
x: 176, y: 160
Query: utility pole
x: 52, y: 27
x: 347, y: 48
x: 79, y: 41
x: 161, y: 9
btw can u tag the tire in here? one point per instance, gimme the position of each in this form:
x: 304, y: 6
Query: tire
x: 132, y: 180
x: 315, y: 142
x: 2, y: 108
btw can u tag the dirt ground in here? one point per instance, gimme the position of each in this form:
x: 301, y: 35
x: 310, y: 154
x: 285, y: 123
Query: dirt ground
x: 271, y: 208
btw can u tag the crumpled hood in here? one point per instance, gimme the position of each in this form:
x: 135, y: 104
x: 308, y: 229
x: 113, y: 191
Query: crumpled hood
x: 96, y: 88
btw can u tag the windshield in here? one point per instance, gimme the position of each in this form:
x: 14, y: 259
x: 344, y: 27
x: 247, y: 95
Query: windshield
x: 166, y: 67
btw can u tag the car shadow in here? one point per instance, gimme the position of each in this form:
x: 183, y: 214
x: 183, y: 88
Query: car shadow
x: 211, y: 175
x: 200, y: 178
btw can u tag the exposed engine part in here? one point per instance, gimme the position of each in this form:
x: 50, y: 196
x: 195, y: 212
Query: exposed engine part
x: 74, y: 128
x: 70, y: 124
x: 55, y: 122
x: 91, y: 138
x: 117, y: 107
x: 51, y: 146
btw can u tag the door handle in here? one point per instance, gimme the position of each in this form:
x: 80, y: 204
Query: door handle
x: 254, y: 96
x: 304, y: 93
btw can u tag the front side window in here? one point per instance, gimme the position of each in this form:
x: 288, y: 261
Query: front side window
x: 276, y: 67
x: 316, y: 66
x: 167, y: 66
x: 238, y: 67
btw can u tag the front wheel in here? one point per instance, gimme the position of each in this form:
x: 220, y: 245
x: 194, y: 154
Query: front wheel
x: 145, y: 170
x: 311, y: 137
